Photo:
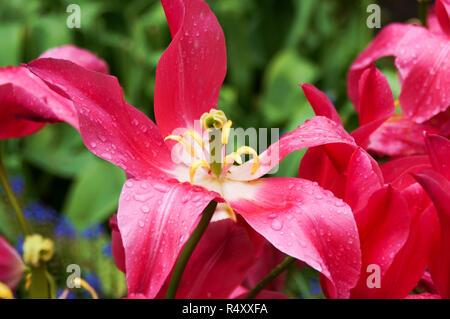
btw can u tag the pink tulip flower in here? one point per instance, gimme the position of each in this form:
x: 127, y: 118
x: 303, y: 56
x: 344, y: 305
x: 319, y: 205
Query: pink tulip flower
x: 422, y: 58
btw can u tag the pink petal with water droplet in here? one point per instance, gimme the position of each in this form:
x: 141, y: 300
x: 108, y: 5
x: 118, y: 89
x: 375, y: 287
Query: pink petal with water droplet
x: 317, y: 131
x: 320, y: 103
x: 82, y: 57
x: 383, y: 230
x: 26, y: 102
x: 362, y: 181
x: 399, y: 136
x: 302, y: 220
x: 110, y: 127
x: 191, y: 70
x: 439, y: 152
x: 438, y: 188
x: 220, y: 262
x: 153, y: 238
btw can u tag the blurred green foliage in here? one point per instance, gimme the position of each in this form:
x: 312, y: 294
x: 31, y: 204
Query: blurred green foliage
x: 272, y: 46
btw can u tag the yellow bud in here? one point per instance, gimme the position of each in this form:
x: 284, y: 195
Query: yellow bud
x: 5, y: 292
x: 37, y: 249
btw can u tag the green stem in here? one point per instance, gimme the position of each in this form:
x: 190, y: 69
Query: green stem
x: 271, y: 276
x: 189, y: 248
x: 423, y: 11
x: 12, y: 199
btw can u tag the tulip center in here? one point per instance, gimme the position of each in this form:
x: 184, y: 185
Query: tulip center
x: 217, y: 162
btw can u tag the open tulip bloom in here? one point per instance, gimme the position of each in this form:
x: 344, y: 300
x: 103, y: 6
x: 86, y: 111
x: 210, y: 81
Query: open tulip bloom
x: 167, y: 190
x: 344, y: 215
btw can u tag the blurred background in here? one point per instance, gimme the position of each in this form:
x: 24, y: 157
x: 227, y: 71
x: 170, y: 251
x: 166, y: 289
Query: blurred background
x: 272, y: 45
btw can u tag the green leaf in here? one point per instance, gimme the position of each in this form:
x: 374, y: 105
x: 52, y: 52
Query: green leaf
x: 94, y: 195
x: 283, y: 96
x: 11, y: 34
x: 57, y: 149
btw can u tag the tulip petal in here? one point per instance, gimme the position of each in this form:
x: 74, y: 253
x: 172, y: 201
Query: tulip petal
x: 317, y: 131
x: 118, y: 251
x: 397, y: 172
x: 320, y: 103
x: 11, y: 266
x: 24, y: 95
x: 439, y: 152
x: 110, y: 127
x: 383, y: 230
x: 226, y: 249
x: 438, y: 188
x: 410, y: 262
x: 362, y: 181
x: 302, y: 220
x: 442, y: 11
x: 82, y: 57
x: 26, y: 99
x: 376, y: 104
x: 155, y: 220
x: 12, y: 123
x: 399, y: 136
x: 191, y: 70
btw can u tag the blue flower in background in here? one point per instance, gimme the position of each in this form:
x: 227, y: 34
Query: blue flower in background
x: 107, y: 250
x: 40, y: 213
x: 93, y: 231
x: 19, y: 245
x: 314, y: 286
x: 17, y: 184
x: 94, y: 282
x: 64, y: 228
x: 70, y: 295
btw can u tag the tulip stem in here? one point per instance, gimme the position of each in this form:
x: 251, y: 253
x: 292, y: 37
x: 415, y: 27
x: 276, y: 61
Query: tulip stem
x: 271, y: 276
x: 12, y: 199
x: 189, y: 249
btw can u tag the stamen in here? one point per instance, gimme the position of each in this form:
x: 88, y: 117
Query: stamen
x: 84, y: 284
x: 250, y: 151
x: 230, y: 213
x: 396, y: 103
x: 188, y: 146
x: 231, y: 158
x: 226, y: 132
x: 194, y: 166
x: 195, y: 136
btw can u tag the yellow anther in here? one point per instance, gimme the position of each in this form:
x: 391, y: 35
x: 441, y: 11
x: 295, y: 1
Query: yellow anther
x: 232, y: 157
x: 226, y: 132
x: 194, y: 166
x: 396, y: 103
x: 188, y: 146
x: 27, y: 281
x: 5, y: 292
x: 195, y: 136
x: 230, y: 213
x: 83, y: 284
x: 250, y: 151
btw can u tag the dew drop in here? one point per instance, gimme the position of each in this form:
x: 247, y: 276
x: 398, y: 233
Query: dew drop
x: 277, y: 225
